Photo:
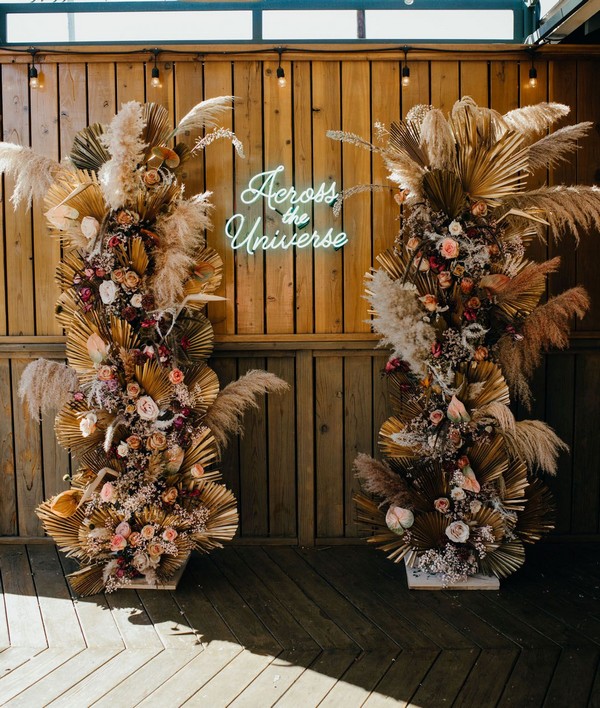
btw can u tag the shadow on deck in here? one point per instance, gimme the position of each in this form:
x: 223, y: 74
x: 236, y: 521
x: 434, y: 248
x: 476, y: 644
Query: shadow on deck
x: 258, y: 626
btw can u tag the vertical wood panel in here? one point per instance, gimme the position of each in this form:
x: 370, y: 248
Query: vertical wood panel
x: 218, y: 160
x: 189, y: 92
x: 358, y: 424
x: 504, y: 85
x: 130, y: 83
x: 226, y: 369
x: 305, y: 445
x: 444, y: 84
x: 163, y: 94
x: 329, y: 407
x: 278, y: 150
x: 327, y: 168
x: 418, y: 90
x: 282, y: 452
x: 73, y: 104
x: 248, y: 126
x: 17, y: 224
x: 28, y: 460
x: 302, y: 178
x: 101, y: 92
x: 474, y: 81
x: 8, y: 492
x: 356, y: 118
x: 254, y: 478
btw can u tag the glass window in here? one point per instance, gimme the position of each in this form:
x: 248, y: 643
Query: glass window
x: 439, y: 24
x: 309, y: 24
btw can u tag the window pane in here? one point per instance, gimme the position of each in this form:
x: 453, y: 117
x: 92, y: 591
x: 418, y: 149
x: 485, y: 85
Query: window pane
x: 309, y: 24
x: 439, y: 24
x: 129, y: 26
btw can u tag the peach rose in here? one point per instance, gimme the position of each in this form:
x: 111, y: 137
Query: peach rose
x: 169, y: 496
x: 436, y: 417
x: 442, y: 505
x: 133, y: 389
x: 157, y: 441
x: 412, y: 243
x: 124, y: 218
x: 155, y: 548
x: 151, y: 177
x: 134, y: 539
x: 197, y: 470
x: 479, y: 209
x: 445, y: 279
x: 123, y: 529
x: 132, y: 279
x: 147, y: 532
x: 147, y: 408
x: 107, y: 493
x: 466, y: 285
x: 134, y: 442
x: 118, y: 275
x: 449, y: 249
x: 118, y: 543
x: 474, y: 303
x: 430, y: 302
x: 176, y: 376
x: 169, y: 534
x: 458, y: 532
x: 480, y: 354
x: 105, y: 373
x: 130, y: 409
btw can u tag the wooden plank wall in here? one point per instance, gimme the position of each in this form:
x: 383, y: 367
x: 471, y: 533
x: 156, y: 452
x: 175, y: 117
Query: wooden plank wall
x: 300, y: 315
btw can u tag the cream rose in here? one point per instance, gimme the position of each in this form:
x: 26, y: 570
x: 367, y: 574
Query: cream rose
x: 455, y: 228
x: 123, y: 449
x: 197, y: 470
x: 107, y: 493
x: 132, y: 279
x: 169, y: 496
x: 108, y: 291
x: 442, y: 504
x: 123, y: 529
x: 136, y: 300
x: 479, y: 209
x: 449, y: 248
x: 457, y: 493
x: 475, y: 506
x: 399, y: 519
x: 412, y: 243
x: 87, y: 425
x: 445, y: 279
x: 140, y: 561
x: 90, y: 227
x: 147, y: 532
x: 147, y: 408
x: 169, y: 534
x: 157, y: 441
x: 458, y: 532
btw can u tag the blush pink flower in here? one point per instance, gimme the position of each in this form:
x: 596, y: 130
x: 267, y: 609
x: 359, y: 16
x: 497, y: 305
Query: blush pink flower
x: 123, y: 529
x: 442, y: 504
x: 449, y: 249
x: 458, y: 532
x: 175, y: 376
x: 399, y: 519
x: 169, y: 534
x: 118, y: 543
x: 107, y: 493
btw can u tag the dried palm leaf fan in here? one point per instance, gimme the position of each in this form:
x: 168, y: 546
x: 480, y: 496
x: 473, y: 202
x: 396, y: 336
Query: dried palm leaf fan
x: 464, y: 465
x: 88, y: 152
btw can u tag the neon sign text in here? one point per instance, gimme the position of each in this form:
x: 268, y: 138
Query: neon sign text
x: 263, y: 186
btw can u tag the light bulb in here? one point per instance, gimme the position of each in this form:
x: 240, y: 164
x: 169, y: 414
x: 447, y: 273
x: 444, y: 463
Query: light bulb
x: 533, y: 77
x: 155, y: 80
x: 34, y: 81
x: 281, y: 80
x: 405, y: 76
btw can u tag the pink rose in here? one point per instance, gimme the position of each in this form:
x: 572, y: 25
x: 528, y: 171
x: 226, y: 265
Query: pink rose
x: 458, y: 532
x: 197, y: 470
x: 479, y: 209
x: 133, y: 390
x: 147, y: 532
x: 176, y: 376
x: 118, y: 543
x: 436, y: 417
x: 442, y: 505
x: 430, y: 302
x: 169, y: 534
x: 105, y: 373
x: 449, y: 249
x: 147, y: 408
x: 445, y: 279
x: 123, y: 529
x: 457, y: 412
x: 107, y: 493
x: 399, y: 519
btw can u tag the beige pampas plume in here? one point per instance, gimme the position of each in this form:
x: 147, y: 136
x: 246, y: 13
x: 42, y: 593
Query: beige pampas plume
x: 203, y: 115
x: 532, y: 121
x: 46, y: 385
x: 496, y: 413
x: 378, y: 479
x: 536, y: 444
x: 558, y: 146
x: 118, y: 176
x: 33, y: 173
x: 226, y: 413
x: 438, y: 141
x: 181, y: 236
x: 218, y: 134
x: 510, y: 359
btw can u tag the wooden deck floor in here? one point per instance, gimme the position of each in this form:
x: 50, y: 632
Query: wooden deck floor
x: 252, y: 626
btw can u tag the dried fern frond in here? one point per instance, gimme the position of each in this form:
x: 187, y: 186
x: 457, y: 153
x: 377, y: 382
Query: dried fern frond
x: 536, y: 443
x: 225, y: 415
x: 378, y: 479
x: 531, y: 121
x: 46, y: 385
x: 558, y: 146
x: 33, y: 173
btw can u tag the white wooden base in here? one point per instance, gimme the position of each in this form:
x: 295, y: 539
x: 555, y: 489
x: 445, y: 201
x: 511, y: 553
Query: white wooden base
x: 170, y: 584
x: 421, y: 580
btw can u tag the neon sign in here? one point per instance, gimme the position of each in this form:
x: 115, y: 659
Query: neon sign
x: 252, y: 238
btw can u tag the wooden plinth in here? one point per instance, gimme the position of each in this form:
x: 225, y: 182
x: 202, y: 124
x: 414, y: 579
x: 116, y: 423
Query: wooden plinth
x: 170, y: 584
x: 421, y: 580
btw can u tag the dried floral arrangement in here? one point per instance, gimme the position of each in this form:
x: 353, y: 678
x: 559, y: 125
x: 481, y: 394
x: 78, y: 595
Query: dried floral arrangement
x: 139, y: 406
x: 457, y: 300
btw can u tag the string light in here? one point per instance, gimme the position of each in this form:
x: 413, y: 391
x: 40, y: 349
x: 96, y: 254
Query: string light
x: 281, y: 80
x: 532, y: 73
x: 155, y: 80
x: 405, y: 69
x: 34, y: 81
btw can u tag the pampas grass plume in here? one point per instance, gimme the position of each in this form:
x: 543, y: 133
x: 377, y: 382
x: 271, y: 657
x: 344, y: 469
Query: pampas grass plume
x: 225, y: 416
x: 33, y: 173
x: 378, y: 479
x: 46, y: 385
x: 536, y: 444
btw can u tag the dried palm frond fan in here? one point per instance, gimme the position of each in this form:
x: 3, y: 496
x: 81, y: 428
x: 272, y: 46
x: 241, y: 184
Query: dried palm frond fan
x: 137, y: 395
x: 459, y: 305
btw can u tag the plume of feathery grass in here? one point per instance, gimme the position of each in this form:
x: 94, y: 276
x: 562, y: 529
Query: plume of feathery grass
x: 46, y: 385
x: 536, y: 443
x: 351, y: 191
x: 226, y: 413
x: 181, y: 236
x: 530, y: 277
x: 378, y: 479
x: 399, y: 319
x: 123, y: 141
x: 218, y: 134
x: 203, y: 115
x: 568, y: 210
x: 552, y: 149
x: 33, y: 173
x: 510, y: 359
x: 497, y: 413
x: 531, y: 121
x: 548, y: 326
x: 438, y: 141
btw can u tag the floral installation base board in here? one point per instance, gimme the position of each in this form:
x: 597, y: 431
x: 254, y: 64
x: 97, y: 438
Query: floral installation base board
x: 170, y: 584
x: 421, y: 580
